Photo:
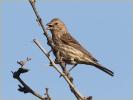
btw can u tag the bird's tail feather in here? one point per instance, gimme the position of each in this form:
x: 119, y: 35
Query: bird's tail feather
x: 104, y: 69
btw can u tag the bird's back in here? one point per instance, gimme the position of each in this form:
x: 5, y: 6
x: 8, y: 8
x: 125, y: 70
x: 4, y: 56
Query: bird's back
x: 67, y: 39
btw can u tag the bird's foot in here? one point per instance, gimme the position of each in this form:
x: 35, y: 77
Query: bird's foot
x: 72, y: 67
x: 49, y: 53
x: 58, y: 61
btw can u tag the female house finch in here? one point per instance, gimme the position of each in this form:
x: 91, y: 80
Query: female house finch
x: 69, y: 50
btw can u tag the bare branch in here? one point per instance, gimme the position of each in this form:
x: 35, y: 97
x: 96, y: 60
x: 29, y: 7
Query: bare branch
x: 24, y: 87
x: 41, y: 23
x: 72, y: 87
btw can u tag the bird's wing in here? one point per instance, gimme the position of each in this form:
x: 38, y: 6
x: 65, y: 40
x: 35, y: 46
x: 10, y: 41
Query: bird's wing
x: 69, y: 40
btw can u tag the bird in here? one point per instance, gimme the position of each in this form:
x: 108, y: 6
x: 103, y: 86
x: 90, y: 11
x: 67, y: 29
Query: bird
x: 69, y: 50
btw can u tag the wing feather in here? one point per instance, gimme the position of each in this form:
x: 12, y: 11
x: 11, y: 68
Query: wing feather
x: 69, y: 40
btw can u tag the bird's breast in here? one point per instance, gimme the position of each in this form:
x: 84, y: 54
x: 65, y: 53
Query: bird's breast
x: 72, y: 55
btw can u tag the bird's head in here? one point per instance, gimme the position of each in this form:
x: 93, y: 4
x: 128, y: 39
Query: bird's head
x: 56, y: 25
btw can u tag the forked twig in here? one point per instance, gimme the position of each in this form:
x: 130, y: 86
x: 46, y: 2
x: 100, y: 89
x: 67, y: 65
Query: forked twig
x: 24, y: 87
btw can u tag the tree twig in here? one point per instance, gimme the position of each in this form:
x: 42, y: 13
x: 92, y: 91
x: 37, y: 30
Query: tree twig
x: 47, y: 95
x: 72, y: 87
x: 24, y: 87
x: 41, y: 24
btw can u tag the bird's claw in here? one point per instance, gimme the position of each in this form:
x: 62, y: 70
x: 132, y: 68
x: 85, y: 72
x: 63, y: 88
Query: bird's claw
x: 49, y: 53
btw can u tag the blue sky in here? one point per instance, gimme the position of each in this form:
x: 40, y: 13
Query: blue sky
x: 102, y: 27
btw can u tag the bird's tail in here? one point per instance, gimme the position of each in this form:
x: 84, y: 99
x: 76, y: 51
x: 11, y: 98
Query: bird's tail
x: 109, y: 72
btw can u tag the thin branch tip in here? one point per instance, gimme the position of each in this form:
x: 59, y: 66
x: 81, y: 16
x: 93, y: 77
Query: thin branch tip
x: 24, y: 88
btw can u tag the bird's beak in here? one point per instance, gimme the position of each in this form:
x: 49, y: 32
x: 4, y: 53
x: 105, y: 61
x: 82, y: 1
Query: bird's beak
x: 48, y: 26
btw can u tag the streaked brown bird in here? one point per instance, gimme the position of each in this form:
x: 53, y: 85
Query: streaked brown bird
x: 70, y: 50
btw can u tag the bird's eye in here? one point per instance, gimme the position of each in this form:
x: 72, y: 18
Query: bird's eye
x: 56, y: 23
